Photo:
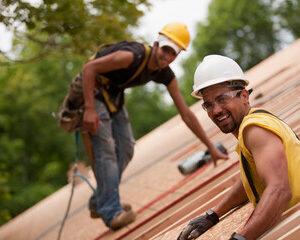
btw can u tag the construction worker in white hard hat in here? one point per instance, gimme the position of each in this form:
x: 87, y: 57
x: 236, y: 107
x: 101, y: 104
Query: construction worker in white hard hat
x: 113, y: 69
x: 269, y: 151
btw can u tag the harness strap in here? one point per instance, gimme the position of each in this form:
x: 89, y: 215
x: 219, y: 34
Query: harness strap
x: 141, y: 67
x: 100, y: 48
x: 245, y: 162
x: 249, y: 178
x: 104, y: 81
x: 111, y: 106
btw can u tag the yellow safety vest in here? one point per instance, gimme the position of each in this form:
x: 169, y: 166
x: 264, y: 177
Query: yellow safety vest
x: 254, y: 186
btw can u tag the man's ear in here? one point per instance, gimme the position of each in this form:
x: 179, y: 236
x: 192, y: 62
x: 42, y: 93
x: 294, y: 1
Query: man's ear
x: 245, y: 96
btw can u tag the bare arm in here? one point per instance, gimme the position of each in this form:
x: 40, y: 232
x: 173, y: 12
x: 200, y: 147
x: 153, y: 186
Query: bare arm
x: 271, y: 164
x: 191, y: 121
x: 234, y: 198
x: 113, y: 61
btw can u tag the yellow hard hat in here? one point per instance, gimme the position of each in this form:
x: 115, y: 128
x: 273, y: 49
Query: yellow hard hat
x: 178, y: 33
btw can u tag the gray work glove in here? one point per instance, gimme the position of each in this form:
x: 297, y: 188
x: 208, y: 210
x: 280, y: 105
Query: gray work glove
x: 199, y: 225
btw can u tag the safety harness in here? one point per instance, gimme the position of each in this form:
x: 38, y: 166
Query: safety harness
x: 102, y: 82
x: 70, y: 114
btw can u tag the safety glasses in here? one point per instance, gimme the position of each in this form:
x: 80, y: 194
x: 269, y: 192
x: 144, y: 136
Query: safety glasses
x: 222, y: 100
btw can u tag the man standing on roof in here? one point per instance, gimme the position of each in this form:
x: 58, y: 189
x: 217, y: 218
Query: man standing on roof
x: 124, y: 65
x: 268, y: 148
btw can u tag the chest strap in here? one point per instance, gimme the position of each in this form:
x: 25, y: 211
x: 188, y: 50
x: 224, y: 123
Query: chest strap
x: 140, y: 68
x: 103, y: 82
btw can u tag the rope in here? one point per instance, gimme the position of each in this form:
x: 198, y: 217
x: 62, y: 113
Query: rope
x: 86, y: 180
x: 75, y: 174
x: 73, y: 185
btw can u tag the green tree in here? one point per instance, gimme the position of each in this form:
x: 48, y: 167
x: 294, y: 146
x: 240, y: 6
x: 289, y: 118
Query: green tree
x: 243, y: 30
x: 35, y: 153
x: 65, y: 26
x: 147, y: 108
x: 289, y: 12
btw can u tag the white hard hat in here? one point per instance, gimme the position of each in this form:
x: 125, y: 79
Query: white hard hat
x: 216, y: 69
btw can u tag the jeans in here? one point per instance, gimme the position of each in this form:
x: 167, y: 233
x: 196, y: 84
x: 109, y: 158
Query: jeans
x: 113, y: 149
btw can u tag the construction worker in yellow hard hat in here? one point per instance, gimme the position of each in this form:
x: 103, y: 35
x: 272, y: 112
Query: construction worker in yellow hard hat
x: 268, y: 148
x: 105, y: 77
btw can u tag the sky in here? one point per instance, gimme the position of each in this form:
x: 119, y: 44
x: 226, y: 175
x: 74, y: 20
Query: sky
x: 161, y: 13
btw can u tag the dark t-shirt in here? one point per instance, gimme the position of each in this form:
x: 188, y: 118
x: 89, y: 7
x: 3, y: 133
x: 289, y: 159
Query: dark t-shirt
x: 121, y: 76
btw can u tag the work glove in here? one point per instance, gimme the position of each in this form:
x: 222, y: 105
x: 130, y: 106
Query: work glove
x: 236, y: 236
x: 199, y: 225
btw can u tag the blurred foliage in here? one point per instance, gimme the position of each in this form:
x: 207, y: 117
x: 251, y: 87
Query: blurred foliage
x: 147, y: 108
x: 247, y: 31
x: 76, y: 26
x: 288, y: 12
x: 35, y: 153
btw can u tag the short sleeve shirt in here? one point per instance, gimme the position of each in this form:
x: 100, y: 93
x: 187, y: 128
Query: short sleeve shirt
x: 121, y: 76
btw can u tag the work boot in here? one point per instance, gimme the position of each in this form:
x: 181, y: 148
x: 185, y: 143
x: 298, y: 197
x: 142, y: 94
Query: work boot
x: 93, y: 214
x: 126, y: 206
x: 122, y: 219
x: 93, y: 209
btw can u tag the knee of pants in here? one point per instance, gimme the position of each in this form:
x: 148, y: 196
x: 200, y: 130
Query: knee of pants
x: 104, y: 149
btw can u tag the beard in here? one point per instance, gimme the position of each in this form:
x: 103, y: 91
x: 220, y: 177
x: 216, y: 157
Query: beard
x: 230, y: 126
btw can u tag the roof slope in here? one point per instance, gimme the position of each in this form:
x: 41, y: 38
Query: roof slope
x: 163, y: 198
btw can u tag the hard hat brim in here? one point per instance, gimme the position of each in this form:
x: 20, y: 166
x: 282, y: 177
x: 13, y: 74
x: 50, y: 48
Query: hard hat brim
x: 197, y: 91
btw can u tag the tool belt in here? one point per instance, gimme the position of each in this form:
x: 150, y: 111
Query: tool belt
x: 70, y: 114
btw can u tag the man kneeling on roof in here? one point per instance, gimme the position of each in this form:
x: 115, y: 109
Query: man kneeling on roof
x: 269, y: 151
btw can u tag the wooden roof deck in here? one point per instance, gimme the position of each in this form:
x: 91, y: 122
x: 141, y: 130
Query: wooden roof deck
x: 163, y: 198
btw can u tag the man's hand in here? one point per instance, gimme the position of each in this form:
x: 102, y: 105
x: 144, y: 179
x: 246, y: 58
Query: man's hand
x: 216, y: 154
x: 199, y: 225
x: 91, y: 121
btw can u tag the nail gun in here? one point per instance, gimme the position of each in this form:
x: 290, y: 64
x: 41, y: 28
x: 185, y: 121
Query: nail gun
x: 197, y: 160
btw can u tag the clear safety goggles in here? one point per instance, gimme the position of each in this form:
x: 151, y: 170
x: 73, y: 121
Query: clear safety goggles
x: 222, y: 100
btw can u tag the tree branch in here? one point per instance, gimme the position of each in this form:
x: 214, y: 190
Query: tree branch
x: 11, y: 61
x: 51, y: 42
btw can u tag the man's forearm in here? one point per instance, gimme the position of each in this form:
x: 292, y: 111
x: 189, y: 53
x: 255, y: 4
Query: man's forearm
x: 268, y: 211
x: 88, y: 86
x: 192, y: 122
x: 234, y: 198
